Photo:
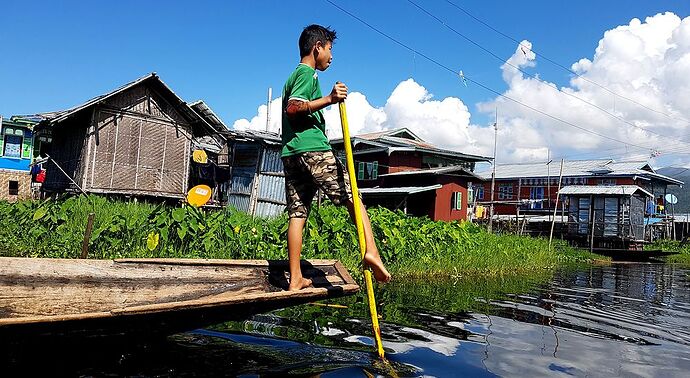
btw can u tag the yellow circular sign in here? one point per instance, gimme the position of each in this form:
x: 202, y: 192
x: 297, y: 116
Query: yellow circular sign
x: 199, y: 195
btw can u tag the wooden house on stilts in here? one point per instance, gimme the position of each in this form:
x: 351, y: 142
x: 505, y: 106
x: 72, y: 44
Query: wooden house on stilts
x: 134, y: 141
x: 606, y: 217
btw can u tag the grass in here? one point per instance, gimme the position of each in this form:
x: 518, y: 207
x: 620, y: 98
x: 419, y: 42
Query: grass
x: 414, y: 247
x: 683, y: 257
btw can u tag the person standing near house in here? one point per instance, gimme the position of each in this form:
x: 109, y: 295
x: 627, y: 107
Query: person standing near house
x: 309, y: 162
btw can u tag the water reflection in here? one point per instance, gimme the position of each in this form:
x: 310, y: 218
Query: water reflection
x: 625, y: 319
x: 619, y: 320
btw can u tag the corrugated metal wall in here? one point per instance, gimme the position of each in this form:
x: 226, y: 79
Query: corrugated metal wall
x: 637, y: 207
x: 243, y: 163
x: 241, y: 184
x: 259, y: 192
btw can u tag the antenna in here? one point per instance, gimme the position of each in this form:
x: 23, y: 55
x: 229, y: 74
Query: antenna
x: 268, y: 110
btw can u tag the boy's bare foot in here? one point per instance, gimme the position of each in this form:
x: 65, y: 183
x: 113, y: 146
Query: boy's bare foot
x: 373, y: 260
x: 299, y: 284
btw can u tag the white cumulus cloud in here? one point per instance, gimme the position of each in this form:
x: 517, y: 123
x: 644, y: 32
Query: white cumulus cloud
x: 444, y: 122
x: 644, y: 63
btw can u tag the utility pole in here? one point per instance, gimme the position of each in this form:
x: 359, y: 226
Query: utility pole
x: 555, y: 206
x: 548, y: 183
x: 268, y: 109
x: 493, y: 175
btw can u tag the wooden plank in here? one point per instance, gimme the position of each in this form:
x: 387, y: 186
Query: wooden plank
x: 221, y: 261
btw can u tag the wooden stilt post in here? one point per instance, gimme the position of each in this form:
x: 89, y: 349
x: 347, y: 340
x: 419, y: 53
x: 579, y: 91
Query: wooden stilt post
x: 87, y: 236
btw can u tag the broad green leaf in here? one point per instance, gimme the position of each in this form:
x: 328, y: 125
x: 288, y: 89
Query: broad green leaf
x: 178, y: 214
x: 181, y: 232
x: 40, y: 213
x: 152, y: 240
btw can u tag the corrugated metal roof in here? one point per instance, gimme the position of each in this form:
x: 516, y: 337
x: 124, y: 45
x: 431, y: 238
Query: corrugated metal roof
x: 201, y: 108
x: 398, y: 190
x: 209, y: 143
x: 577, y: 168
x: 215, y: 142
x: 391, y: 133
x: 626, y: 190
x: 541, y: 169
x: 433, y: 171
x: 395, y: 139
x: 255, y: 135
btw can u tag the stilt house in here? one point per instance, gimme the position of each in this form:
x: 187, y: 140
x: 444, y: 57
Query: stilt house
x: 135, y: 140
x: 613, y: 215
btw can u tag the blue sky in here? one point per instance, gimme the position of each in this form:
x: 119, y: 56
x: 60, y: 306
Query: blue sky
x: 57, y: 54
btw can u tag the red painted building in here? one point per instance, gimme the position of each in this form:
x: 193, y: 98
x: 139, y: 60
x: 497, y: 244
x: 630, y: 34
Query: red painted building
x: 398, y: 170
x: 531, y: 188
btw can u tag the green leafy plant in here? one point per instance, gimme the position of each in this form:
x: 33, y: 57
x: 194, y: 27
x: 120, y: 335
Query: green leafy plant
x: 408, y: 245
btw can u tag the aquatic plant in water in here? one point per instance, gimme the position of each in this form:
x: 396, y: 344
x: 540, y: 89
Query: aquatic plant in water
x: 409, y: 245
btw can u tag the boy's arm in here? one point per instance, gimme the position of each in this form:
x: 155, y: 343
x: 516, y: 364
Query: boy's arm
x: 297, y: 107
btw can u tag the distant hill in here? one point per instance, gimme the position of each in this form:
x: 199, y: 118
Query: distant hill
x: 683, y: 194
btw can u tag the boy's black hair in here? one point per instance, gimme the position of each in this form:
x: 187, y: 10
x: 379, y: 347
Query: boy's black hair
x: 312, y: 34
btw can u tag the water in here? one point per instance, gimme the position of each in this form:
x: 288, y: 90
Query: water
x: 620, y: 320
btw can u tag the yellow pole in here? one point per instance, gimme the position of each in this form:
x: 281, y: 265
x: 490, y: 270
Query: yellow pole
x: 360, y: 228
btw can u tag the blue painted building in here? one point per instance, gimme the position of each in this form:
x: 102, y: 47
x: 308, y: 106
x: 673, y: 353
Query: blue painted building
x: 16, y: 154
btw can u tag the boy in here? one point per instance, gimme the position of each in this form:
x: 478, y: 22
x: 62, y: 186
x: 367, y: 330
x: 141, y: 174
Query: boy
x: 307, y: 156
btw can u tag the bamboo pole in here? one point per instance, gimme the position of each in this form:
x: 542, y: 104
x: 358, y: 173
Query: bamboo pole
x: 360, y: 228
x: 517, y: 207
x: 555, y: 206
x: 493, y: 175
x: 591, y: 237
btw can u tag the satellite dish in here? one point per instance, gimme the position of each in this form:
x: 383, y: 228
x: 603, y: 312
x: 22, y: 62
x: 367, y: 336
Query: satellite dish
x: 672, y: 199
x: 199, y: 195
x: 199, y: 156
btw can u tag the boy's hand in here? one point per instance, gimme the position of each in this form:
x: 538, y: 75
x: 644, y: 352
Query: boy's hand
x: 338, y: 93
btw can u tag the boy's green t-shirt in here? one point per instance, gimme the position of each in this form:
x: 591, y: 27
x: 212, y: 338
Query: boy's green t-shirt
x: 305, y: 133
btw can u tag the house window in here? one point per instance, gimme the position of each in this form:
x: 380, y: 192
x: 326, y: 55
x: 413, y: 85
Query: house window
x: 12, y: 146
x: 583, y: 216
x: 13, y: 188
x: 505, y: 192
x: 368, y: 170
x: 574, y: 181
x: 456, y: 201
x: 478, y: 192
x: 607, y: 182
x: 536, y: 193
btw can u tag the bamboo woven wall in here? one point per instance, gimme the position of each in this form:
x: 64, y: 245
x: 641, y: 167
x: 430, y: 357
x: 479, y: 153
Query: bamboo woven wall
x: 137, y: 144
x: 68, y: 143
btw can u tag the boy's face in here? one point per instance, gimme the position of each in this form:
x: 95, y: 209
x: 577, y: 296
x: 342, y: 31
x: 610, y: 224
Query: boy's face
x: 323, y: 55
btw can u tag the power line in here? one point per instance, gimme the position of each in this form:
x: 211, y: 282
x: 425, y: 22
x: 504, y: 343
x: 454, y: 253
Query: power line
x: 564, y: 67
x: 675, y: 140
x: 480, y: 84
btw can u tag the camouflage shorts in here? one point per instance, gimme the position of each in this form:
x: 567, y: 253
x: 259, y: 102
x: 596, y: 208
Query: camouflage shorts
x: 307, y: 172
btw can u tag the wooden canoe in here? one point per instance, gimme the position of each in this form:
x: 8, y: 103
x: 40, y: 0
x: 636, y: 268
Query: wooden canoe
x: 118, y: 297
